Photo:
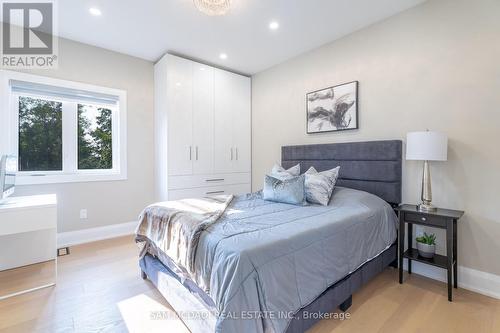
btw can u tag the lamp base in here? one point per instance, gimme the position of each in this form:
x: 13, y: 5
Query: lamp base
x: 426, y: 197
x: 426, y: 207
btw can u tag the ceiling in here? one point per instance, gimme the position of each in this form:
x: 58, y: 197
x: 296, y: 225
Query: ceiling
x: 150, y: 28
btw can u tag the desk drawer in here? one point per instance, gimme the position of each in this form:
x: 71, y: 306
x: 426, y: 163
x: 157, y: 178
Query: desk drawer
x: 436, y: 221
x: 17, y: 221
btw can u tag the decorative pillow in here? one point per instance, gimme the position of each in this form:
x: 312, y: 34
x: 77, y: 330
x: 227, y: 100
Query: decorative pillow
x: 289, y: 190
x: 319, y: 185
x: 279, y: 172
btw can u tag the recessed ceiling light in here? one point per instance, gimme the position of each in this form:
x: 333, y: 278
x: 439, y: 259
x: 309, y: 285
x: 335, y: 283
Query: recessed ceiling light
x: 95, y: 11
x: 274, y: 25
x: 223, y: 56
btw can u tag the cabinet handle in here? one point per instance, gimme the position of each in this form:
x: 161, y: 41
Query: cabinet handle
x: 197, y: 153
x: 236, y: 153
x: 231, y: 153
x: 215, y: 180
x: 423, y: 219
x: 215, y: 192
x: 190, y: 153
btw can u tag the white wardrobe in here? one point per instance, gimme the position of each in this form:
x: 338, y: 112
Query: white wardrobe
x: 202, y: 130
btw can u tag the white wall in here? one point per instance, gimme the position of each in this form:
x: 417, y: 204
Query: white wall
x: 435, y: 66
x: 114, y: 201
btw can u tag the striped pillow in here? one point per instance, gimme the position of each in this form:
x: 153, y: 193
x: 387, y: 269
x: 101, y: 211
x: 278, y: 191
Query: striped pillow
x: 319, y: 185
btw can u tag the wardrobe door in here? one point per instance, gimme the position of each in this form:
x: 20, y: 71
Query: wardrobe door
x: 180, y: 116
x: 241, y: 100
x: 203, y: 119
x: 224, y: 153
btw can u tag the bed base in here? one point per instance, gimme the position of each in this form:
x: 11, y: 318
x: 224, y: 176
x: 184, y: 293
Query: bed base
x: 187, y: 298
x: 192, y: 306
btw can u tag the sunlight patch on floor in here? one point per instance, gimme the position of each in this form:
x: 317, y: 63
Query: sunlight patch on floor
x: 143, y: 314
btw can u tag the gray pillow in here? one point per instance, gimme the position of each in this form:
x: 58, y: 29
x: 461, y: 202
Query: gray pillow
x: 319, y: 185
x: 279, y: 172
x: 289, y: 190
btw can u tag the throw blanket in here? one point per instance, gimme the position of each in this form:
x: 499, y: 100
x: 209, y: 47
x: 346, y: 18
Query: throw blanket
x: 174, y: 227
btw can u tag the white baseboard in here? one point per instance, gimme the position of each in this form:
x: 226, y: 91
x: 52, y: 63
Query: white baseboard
x: 95, y: 234
x: 471, y: 279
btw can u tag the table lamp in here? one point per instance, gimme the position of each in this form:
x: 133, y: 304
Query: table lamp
x: 426, y: 146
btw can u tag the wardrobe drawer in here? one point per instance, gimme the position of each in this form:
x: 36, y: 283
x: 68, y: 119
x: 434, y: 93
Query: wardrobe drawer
x: 184, y: 182
x: 208, y: 191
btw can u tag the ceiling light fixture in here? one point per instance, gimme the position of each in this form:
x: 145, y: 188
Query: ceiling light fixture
x: 223, y: 56
x: 95, y: 11
x: 274, y: 25
x: 213, y: 7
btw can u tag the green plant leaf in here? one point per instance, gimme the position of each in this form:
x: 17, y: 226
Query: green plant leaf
x: 427, y: 239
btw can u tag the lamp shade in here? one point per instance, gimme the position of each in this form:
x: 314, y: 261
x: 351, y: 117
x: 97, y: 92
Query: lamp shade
x: 426, y: 146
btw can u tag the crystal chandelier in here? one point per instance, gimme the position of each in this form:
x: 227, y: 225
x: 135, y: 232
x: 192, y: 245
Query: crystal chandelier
x: 213, y: 7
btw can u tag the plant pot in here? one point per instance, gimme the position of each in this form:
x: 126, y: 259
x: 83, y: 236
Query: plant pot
x: 426, y: 250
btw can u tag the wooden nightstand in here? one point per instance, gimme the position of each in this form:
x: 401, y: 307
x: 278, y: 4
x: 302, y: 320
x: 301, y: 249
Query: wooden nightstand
x: 443, y: 219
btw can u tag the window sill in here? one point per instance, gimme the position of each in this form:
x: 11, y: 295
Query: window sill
x: 69, y: 178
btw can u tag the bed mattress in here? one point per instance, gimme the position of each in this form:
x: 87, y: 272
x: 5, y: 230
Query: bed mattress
x: 264, y: 261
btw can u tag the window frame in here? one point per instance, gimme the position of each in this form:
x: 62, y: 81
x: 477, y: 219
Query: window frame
x: 70, y: 171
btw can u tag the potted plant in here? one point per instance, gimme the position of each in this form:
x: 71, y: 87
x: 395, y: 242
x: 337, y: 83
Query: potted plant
x: 426, y: 245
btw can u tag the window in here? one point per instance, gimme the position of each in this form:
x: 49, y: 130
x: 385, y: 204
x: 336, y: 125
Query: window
x: 95, y: 137
x: 64, y: 131
x: 40, y: 135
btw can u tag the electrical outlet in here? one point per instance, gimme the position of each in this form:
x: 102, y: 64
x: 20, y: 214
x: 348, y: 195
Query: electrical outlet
x: 83, y: 214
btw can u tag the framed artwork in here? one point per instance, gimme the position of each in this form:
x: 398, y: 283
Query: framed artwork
x: 333, y: 109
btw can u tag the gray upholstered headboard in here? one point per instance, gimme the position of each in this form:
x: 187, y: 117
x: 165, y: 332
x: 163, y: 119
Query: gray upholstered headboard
x: 373, y: 166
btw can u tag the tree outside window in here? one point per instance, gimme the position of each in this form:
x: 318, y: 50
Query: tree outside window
x: 95, y: 149
x: 40, y: 135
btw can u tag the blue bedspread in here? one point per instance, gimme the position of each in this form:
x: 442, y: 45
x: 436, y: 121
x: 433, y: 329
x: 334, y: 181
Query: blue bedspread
x: 263, y: 261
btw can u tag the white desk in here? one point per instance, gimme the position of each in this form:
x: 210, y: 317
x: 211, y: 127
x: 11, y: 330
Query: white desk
x: 28, y: 231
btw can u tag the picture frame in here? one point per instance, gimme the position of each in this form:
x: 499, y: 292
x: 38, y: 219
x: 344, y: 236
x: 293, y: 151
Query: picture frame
x: 333, y: 109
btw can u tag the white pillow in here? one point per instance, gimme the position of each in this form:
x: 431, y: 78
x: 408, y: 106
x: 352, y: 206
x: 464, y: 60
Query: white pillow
x: 279, y: 172
x: 319, y: 185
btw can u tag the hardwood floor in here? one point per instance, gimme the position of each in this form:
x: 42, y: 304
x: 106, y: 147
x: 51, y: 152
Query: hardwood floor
x: 99, y: 290
x: 27, y: 277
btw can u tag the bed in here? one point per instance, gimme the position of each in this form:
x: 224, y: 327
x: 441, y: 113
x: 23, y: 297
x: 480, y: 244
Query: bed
x: 265, y: 267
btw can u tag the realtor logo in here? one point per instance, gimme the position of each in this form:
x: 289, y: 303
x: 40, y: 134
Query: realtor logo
x: 28, y: 34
